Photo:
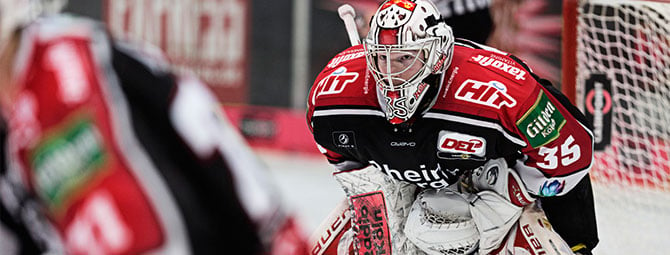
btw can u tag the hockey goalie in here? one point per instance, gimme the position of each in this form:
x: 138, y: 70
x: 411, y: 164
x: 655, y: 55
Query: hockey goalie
x: 445, y: 146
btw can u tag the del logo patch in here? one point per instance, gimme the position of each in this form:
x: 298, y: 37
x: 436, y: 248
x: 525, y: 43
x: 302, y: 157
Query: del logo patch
x: 542, y: 123
x: 492, y: 93
x: 452, y: 142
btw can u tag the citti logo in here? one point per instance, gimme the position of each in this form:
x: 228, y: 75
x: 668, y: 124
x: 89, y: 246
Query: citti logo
x: 544, y: 124
x: 500, y: 65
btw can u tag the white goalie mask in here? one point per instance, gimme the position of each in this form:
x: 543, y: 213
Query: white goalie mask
x: 17, y: 13
x: 407, y: 50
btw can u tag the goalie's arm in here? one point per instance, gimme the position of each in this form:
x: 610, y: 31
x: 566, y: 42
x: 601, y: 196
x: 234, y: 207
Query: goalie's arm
x: 573, y: 216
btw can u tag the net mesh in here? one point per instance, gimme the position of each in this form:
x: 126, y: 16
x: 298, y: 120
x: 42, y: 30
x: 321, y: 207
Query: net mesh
x: 628, y: 44
x: 449, y: 220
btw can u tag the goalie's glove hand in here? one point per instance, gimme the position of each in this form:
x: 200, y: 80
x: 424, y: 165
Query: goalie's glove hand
x: 496, y: 176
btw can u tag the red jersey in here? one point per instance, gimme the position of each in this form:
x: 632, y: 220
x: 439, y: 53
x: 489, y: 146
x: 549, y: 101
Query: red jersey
x: 490, y: 106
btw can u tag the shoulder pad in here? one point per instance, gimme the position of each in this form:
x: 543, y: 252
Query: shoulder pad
x: 481, y: 81
x: 344, y: 80
x: 346, y: 56
x: 501, y: 64
x: 59, y: 26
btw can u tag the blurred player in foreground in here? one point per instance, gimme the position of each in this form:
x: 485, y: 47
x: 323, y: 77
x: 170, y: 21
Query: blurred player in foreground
x: 109, y: 152
x: 465, y: 143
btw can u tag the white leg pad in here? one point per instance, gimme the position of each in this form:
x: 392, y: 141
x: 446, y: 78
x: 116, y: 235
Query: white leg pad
x: 398, y: 197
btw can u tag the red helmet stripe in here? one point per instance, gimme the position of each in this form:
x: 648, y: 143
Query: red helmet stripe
x: 388, y: 36
x: 405, y: 4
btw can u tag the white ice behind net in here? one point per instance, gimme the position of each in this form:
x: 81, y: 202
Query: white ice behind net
x: 629, y: 42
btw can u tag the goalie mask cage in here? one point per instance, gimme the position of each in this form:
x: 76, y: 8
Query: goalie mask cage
x: 616, y: 69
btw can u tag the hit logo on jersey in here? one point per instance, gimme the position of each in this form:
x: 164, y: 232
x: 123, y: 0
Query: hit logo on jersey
x: 334, y: 83
x: 492, y: 93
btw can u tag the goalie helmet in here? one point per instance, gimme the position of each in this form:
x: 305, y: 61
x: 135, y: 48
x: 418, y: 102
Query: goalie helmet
x: 408, y: 48
x: 16, y: 13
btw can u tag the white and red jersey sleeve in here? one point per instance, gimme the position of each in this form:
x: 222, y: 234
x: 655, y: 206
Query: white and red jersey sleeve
x: 560, y: 147
x: 66, y: 140
x: 552, y: 135
x: 125, y: 157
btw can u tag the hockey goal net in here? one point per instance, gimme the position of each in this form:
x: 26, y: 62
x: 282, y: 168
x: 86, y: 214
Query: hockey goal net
x: 616, y: 68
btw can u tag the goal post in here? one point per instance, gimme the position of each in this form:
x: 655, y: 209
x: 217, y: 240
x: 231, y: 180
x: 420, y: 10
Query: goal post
x: 616, y: 69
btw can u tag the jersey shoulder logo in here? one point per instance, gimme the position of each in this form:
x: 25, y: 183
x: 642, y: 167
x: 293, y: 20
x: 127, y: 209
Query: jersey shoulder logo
x: 334, y: 83
x: 453, y: 142
x: 500, y: 64
x: 542, y: 123
x: 346, y: 56
x: 493, y: 93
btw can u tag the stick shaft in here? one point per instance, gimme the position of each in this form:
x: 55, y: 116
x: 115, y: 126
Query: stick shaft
x: 347, y: 14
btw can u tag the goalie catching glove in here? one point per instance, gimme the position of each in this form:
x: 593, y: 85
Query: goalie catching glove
x: 440, y: 223
x: 498, y: 202
x: 496, y: 176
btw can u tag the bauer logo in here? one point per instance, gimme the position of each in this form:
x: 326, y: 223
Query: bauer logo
x: 452, y: 142
x: 344, y: 139
x: 500, y: 64
x: 492, y: 93
x: 532, y: 239
x: 542, y: 123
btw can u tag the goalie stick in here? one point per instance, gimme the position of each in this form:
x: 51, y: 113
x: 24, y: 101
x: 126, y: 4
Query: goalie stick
x: 335, y: 235
x: 326, y: 238
x: 347, y: 14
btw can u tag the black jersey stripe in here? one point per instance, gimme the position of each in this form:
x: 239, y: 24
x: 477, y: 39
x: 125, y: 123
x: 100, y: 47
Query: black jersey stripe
x: 467, y: 43
x: 330, y: 107
x: 332, y: 112
x: 473, y: 45
x: 480, y: 123
x: 477, y: 117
